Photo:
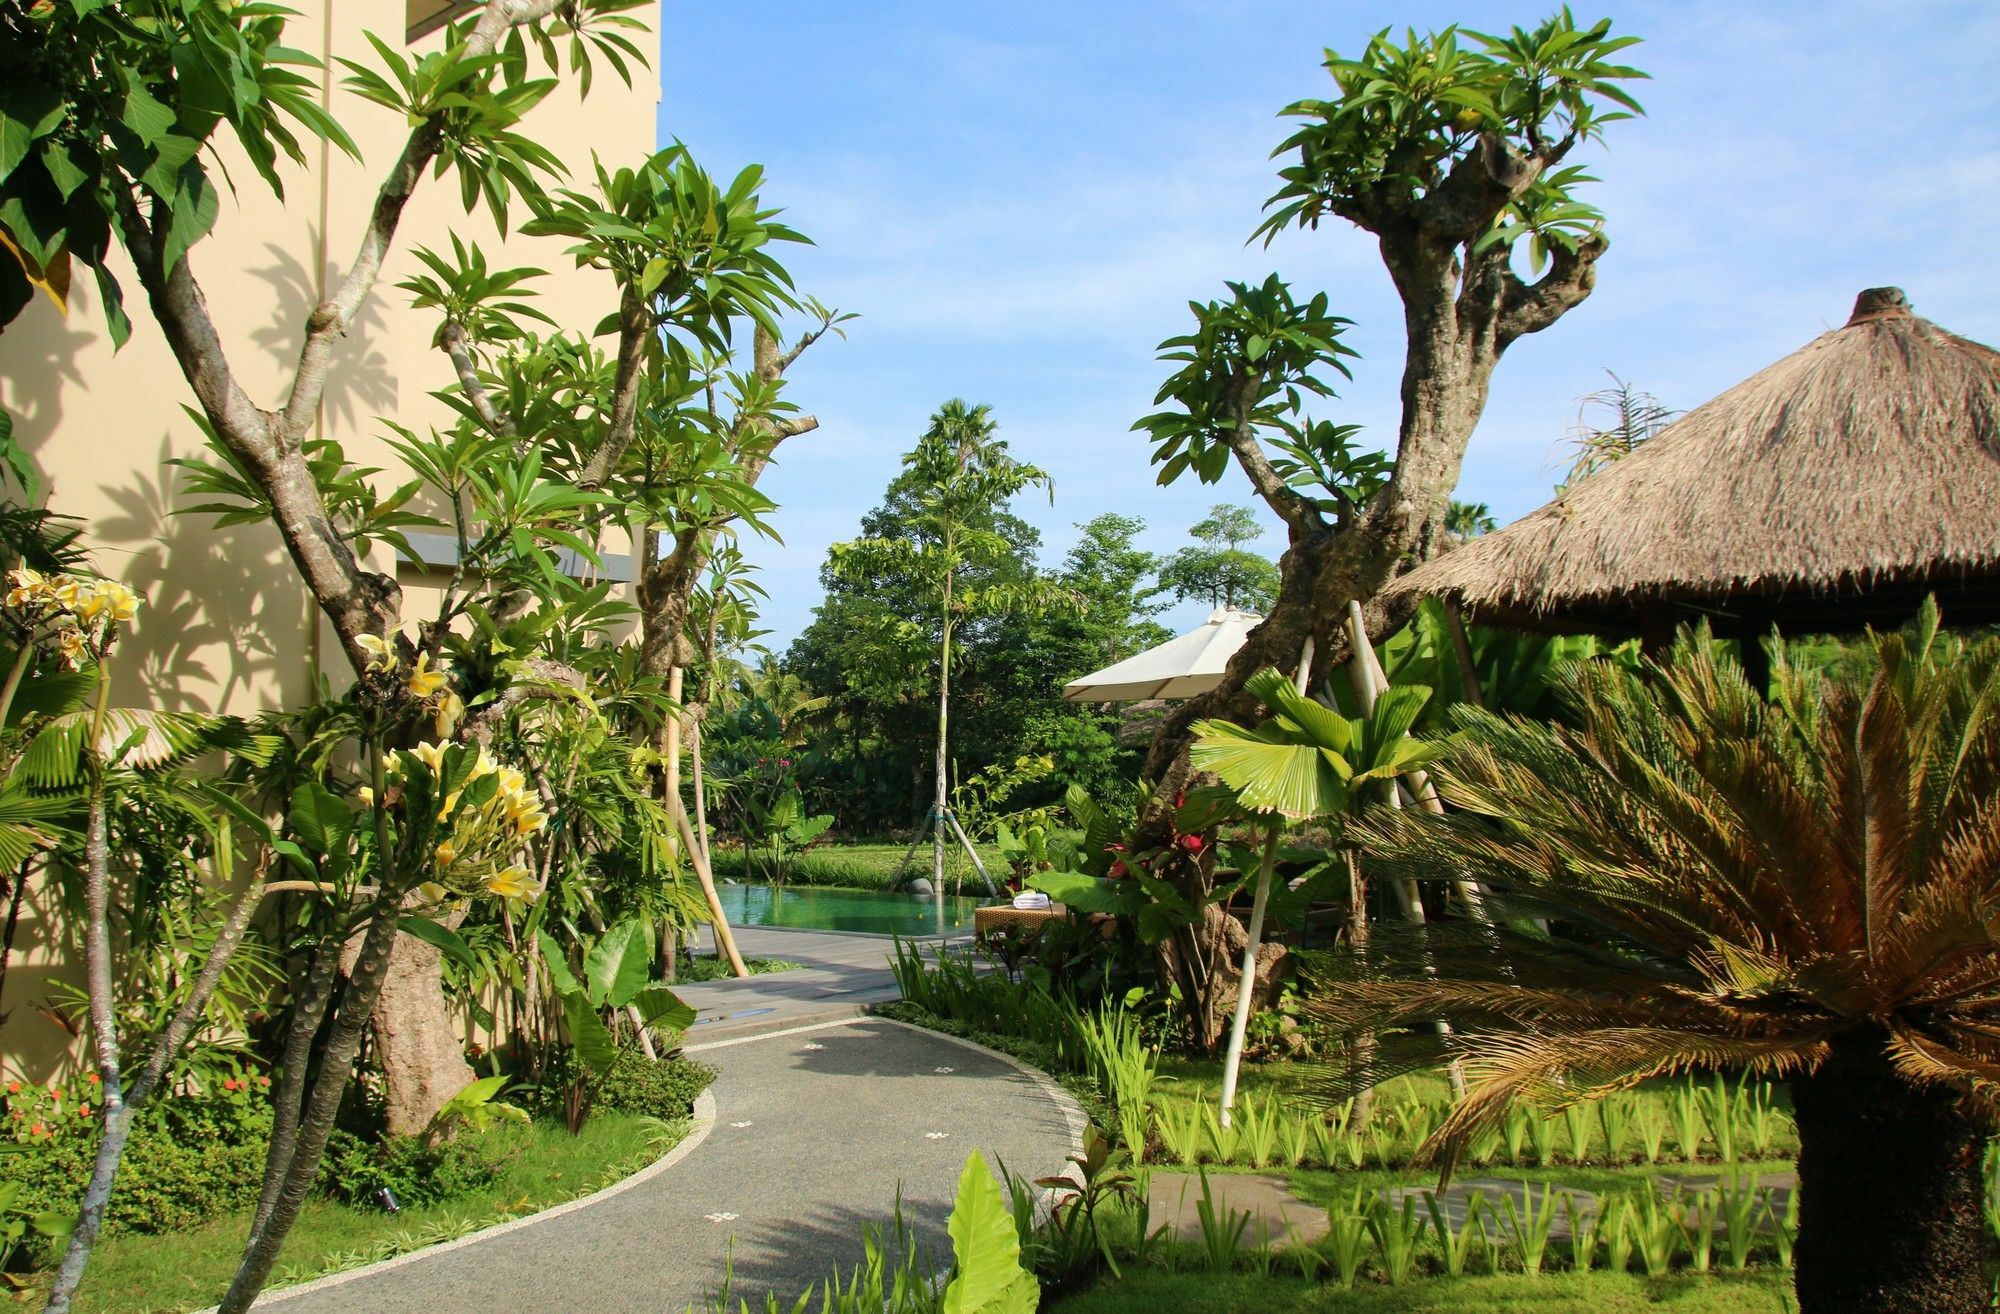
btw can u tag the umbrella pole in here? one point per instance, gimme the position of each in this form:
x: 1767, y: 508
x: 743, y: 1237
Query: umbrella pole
x: 1232, y: 1061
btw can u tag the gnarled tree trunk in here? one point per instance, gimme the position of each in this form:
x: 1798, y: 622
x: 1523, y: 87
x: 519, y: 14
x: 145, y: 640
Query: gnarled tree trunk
x: 417, y: 1041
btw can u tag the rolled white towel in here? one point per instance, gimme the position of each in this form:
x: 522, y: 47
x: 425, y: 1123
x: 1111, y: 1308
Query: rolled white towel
x: 1032, y: 899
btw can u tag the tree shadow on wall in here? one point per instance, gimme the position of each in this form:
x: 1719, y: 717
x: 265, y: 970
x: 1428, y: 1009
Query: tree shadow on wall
x: 359, y: 383
x: 224, y: 623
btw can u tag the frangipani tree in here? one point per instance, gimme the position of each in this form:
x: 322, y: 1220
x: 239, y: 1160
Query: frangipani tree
x: 1806, y: 888
x: 1451, y: 151
x: 1306, y: 762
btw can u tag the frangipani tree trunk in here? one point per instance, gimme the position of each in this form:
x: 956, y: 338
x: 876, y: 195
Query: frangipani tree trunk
x: 1475, y: 144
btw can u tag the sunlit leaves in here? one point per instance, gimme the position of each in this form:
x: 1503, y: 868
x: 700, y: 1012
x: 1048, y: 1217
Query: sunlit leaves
x: 1408, y: 115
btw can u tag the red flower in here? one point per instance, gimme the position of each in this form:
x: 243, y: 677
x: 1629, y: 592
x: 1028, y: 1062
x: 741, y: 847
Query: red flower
x: 1117, y: 870
x: 784, y: 761
x: 92, y: 1078
x: 229, y: 1083
x: 263, y: 1081
x: 38, y: 1130
x: 1192, y: 843
x: 83, y: 1110
x: 1180, y: 799
x: 13, y: 1088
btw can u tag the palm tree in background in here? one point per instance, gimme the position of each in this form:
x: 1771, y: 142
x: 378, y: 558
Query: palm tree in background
x: 1468, y: 520
x: 1807, y: 889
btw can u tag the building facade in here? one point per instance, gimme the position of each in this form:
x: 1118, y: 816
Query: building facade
x: 225, y: 625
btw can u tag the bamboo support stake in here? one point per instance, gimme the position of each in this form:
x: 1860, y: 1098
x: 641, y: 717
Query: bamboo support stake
x: 707, y: 878
x: 1370, y: 681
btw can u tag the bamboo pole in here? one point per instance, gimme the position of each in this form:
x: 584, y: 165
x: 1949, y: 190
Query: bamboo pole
x: 1371, y: 680
x: 706, y: 876
x: 1246, y: 985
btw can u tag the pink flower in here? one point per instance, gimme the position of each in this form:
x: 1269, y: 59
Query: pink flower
x: 784, y: 761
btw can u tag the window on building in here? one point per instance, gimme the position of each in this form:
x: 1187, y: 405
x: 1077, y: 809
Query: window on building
x: 422, y: 17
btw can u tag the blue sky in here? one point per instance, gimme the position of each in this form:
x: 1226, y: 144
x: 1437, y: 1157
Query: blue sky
x: 1019, y: 199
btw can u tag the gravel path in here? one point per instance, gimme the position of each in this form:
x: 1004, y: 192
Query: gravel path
x: 814, y: 1131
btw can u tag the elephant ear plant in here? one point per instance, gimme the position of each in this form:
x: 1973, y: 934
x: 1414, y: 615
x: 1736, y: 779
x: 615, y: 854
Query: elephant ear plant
x: 616, y: 968
x: 1806, y: 889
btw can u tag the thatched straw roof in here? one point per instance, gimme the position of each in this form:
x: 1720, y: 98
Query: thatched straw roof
x: 1835, y: 488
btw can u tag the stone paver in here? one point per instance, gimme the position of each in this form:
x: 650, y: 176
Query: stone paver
x: 815, y: 1133
x: 1276, y: 1215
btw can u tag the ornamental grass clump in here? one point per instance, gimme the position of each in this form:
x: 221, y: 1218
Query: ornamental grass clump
x: 1804, y: 889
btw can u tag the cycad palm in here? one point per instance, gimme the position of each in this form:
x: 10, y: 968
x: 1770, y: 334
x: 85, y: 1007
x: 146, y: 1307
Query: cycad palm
x: 1808, y: 889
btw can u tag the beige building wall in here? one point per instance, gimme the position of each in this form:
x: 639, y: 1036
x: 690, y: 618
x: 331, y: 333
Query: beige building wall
x: 225, y: 625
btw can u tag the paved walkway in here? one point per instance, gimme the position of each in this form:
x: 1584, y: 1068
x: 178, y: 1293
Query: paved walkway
x: 815, y: 1131
x: 839, y: 975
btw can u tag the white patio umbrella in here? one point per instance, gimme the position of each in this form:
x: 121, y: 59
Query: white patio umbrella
x: 1179, y: 668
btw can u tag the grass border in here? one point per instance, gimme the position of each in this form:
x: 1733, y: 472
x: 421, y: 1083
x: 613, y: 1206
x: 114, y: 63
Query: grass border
x: 702, y: 1122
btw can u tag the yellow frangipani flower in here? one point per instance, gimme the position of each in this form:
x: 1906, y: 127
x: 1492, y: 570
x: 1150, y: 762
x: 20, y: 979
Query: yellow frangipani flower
x: 445, y: 717
x: 512, y: 782
x: 515, y: 882
x: 73, y: 645
x: 367, y: 796
x: 484, y: 766
x: 66, y: 590
x: 450, y: 802
x: 429, y: 754
x: 445, y: 854
x: 382, y: 653
x: 29, y: 586
x: 423, y: 681
x: 104, y: 599
x: 432, y: 892
x: 528, y: 822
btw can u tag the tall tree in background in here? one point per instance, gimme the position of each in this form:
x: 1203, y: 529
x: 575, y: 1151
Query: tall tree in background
x: 1220, y: 570
x: 960, y: 473
x: 1449, y: 157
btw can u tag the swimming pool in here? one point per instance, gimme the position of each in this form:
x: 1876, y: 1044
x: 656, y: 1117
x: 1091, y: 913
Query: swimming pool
x: 809, y: 907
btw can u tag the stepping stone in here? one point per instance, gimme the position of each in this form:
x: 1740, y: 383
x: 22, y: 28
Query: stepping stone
x: 1277, y: 1217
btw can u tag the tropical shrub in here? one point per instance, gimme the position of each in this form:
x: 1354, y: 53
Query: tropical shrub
x: 653, y: 1088
x: 416, y: 1170
x: 193, y: 1153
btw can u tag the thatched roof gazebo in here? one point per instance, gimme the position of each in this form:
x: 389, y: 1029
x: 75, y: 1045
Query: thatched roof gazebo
x: 1832, y: 490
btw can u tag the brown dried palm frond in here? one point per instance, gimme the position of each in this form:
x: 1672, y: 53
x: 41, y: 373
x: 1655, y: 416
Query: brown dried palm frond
x: 1732, y: 883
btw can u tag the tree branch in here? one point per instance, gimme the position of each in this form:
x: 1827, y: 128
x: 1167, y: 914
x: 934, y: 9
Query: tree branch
x: 1301, y: 517
x: 1531, y: 307
x: 635, y: 328
x: 452, y: 338
x: 333, y: 317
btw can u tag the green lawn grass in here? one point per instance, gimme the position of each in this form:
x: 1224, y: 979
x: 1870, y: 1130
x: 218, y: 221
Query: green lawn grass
x: 690, y: 969
x: 181, y: 1271
x: 862, y: 866
x: 1759, y: 1291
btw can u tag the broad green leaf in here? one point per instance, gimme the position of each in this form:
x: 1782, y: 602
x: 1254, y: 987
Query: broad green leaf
x: 615, y: 969
x: 660, y: 1007
x: 320, y: 818
x: 587, y: 1034
x: 986, y: 1250
x: 565, y: 981
x: 441, y: 937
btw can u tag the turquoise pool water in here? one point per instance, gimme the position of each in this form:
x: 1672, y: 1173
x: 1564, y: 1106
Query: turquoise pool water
x: 811, y: 908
